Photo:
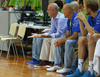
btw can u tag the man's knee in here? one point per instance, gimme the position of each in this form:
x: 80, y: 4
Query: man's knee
x: 53, y: 40
x: 47, y: 41
x: 68, y: 42
x: 82, y: 39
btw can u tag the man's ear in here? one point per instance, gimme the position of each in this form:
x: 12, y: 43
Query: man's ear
x: 89, y: 9
x: 67, y: 11
x: 54, y: 10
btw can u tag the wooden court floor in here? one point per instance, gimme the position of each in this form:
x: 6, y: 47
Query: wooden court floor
x: 17, y: 67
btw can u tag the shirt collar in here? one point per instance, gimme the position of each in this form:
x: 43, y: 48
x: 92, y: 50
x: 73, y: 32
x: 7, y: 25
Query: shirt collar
x: 57, y: 16
x: 74, y: 15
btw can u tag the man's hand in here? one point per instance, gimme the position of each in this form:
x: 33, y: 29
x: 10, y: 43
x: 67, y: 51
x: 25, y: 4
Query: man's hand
x: 35, y: 35
x: 58, y: 43
x: 81, y: 16
x: 94, y: 36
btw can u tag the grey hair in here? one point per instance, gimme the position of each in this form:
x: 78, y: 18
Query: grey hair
x: 55, y: 7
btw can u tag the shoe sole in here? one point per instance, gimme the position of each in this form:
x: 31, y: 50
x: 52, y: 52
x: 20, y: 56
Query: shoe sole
x: 48, y: 66
x: 54, y: 69
x: 51, y: 70
x: 62, y: 72
x: 39, y: 66
x: 29, y: 64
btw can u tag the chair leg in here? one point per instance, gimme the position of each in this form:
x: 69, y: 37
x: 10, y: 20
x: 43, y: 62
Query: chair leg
x: 22, y: 49
x: 2, y: 43
x: 8, y: 49
x: 15, y: 48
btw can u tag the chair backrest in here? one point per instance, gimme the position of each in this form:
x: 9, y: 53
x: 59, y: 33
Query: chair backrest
x: 13, y: 29
x: 22, y: 30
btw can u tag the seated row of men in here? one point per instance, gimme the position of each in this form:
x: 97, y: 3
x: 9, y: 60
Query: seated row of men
x: 65, y: 29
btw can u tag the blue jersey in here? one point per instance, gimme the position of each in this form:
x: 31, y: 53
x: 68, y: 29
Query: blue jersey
x: 95, y: 22
x: 68, y: 1
x: 75, y: 27
x: 68, y: 24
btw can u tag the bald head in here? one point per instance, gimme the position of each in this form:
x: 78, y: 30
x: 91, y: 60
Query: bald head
x: 69, y: 7
x: 53, y: 10
x: 54, y: 6
x: 75, y: 5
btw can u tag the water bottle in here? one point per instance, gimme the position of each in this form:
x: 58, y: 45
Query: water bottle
x: 16, y: 7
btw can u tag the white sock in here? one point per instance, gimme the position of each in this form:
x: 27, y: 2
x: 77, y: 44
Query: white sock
x: 90, y: 68
x: 80, y: 64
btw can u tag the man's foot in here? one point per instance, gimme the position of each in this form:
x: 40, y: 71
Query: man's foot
x: 42, y: 64
x: 77, y: 73
x: 63, y: 70
x: 88, y: 74
x: 54, y: 68
x: 67, y: 73
x: 33, y: 62
x: 50, y: 65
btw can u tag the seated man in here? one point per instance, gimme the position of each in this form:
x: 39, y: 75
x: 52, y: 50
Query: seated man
x: 69, y: 41
x: 58, y: 25
x: 75, y: 63
x: 93, y: 24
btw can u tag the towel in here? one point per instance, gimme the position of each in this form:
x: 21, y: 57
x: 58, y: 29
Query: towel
x: 96, y: 60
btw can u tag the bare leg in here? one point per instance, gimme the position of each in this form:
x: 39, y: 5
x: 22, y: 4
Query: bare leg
x: 82, y: 42
x: 91, y: 49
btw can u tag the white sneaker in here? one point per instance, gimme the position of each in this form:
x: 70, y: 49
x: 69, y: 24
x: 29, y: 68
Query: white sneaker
x: 62, y: 70
x: 48, y: 66
x: 54, y: 68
